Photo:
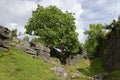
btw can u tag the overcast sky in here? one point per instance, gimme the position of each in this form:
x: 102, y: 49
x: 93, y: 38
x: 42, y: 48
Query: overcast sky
x: 15, y: 13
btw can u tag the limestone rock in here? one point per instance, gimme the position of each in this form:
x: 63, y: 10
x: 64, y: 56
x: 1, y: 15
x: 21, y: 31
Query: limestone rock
x: 74, y: 60
x: 60, y: 72
x: 4, y: 43
x: 4, y: 32
x: 100, y: 76
x: 42, y: 51
x: 75, y: 76
x: 31, y: 51
x: 32, y: 48
x: 4, y: 37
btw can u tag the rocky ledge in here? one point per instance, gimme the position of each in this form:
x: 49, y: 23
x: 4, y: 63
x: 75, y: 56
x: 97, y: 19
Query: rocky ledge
x: 32, y: 48
x: 4, y: 38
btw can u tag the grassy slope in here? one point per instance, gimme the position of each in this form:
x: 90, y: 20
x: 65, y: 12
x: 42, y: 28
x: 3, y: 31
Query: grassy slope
x: 89, y: 68
x: 86, y: 69
x: 16, y: 65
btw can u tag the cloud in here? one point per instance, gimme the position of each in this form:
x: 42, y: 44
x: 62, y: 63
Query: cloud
x: 12, y: 26
x: 99, y: 11
x: 17, y: 12
x: 81, y: 34
x: 66, y: 5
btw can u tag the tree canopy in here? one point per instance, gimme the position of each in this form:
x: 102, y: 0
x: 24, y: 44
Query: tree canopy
x: 94, y: 36
x: 55, y: 28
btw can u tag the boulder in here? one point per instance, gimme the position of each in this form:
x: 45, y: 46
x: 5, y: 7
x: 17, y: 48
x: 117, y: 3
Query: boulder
x: 60, y: 71
x: 75, y: 76
x: 4, y: 43
x: 42, y: 51
x: 4, y: 32
x: 100, y: 76
x: 4, y: 37
x: 30, y: 51
x: 74, y: 60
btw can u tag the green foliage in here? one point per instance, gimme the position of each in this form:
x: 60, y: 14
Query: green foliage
x: 114, y: 75
x: 91, y: 67
x: 55, y: 28
x: 114, y: 27
x: 94, y: 36
x: 14, y: 33
x: 85, y: 68
x: 17, y: 65
x: 26, y: 38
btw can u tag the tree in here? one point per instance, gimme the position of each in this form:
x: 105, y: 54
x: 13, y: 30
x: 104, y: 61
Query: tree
x: 55, y: 28
x: 110, y: 47
x: 26, y: 38
x: 94, y: 38
x: 14, y: 33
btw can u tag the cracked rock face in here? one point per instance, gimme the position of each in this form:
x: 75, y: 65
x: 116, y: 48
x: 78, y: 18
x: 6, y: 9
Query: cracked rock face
x: 42, y: 51
x: 4, y: 38
x: 32, y: 48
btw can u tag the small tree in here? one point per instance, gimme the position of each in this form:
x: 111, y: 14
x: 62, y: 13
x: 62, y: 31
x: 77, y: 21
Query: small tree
x: 95, y: 34
x: 14, y: 33
x: 55, y: 28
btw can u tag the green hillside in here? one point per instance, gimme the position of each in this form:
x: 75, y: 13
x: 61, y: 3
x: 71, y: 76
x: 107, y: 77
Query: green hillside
x: 16, y: 65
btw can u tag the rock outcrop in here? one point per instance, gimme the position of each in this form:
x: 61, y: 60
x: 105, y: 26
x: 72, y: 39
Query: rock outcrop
x: 100, y: 76
x: 60, y: 71
x: 42, y: 51
x: 4, y: 38
x: 75, y: 76
x: 67, y: 58
x: 32, y: 48
x: 74, y: 60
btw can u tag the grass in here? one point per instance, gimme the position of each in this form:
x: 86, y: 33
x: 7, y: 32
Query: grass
x: 16, y: 65
x: 85, y: 68
x: 115, y: 75
x: 89, y: 68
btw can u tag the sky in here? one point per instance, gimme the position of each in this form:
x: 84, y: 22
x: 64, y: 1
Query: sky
x: 14, y: 14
